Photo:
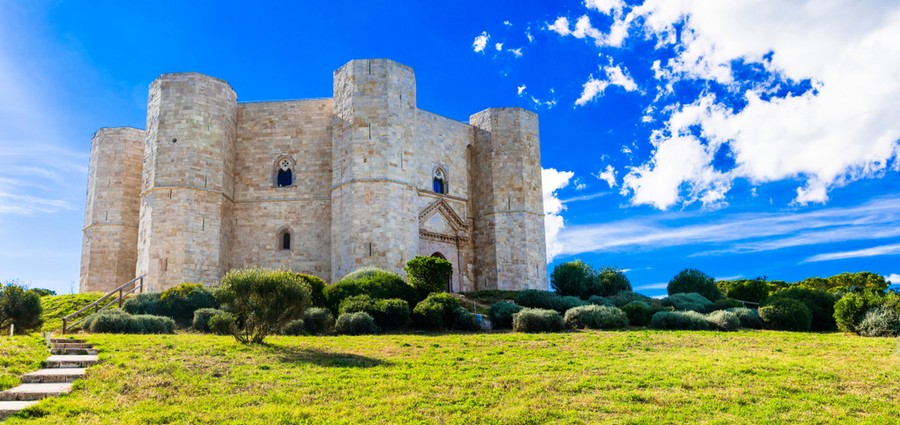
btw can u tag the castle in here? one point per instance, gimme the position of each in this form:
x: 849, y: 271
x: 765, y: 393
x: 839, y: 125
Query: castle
x: 320, y: 186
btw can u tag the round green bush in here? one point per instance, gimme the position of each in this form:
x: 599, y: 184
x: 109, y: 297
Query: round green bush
x: 355, y: 324
x: 357, y: 303
x: 318, y: 321
x: 436, y: 312
x: 465, y: 320
x: 146, y: 303
x: 724, y: 320
x: 263, y: 301
x: 609, y: 281
x: 537, y: 320
x: 180, y: 302
x: 376, y: 283
x: 880, y: 321
x: 20, y: 307
x: 120, y: 322
x: 724, y: 304
x: 752, y: 290
x: 598, y: 300
x: 501, y: 314
x: 819, y: 303
x: 574, y: 278
x: 533, y: 298
x: 428, y: 274
x: 852, y: 307
x: 638, y: 312
x: 693, y: 280
x: 316, y: 287
x: 295, y: 327
x: 690, y: 301
x: 223, y: 324
x: 595, y: 317
x: 749, y: 317
x: 679, y: 320
x: 625, y: 297
x: 201, y: 318
x: 786, y: 315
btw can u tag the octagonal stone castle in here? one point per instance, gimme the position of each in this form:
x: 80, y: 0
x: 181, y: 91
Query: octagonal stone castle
x: 321, y: 186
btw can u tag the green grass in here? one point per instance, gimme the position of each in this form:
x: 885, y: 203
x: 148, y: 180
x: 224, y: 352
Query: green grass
x: 503, y: 378
x: 58, y: 306
x: 18, y: 355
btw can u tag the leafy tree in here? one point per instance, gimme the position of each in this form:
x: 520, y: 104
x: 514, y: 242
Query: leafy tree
x: 609, y: 281
x: 428, y: 274
x: 574, y: 278
x: 856, y: 282
x: 752, y: 290
x: 852, y: 307
x: 819, y: 303
x: 693, y: 280
x: 19, y: 307
x: 262, y: 301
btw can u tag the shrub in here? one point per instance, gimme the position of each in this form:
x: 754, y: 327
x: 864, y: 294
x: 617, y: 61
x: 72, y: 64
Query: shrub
x: 690, y: 301
x: 465, y: 320
x: 501, y: 314
x: 537, y: 320
x: 533, y: 298
x: 725, y: 303
x: 19, y: 307
x: 201, y: 318
x: 358, y: 323
x: 625, y: 297
x: 749, y: 317
x: 316, y: 288
x: 595, y: 317
x: 146, y: 303
x: 638, y: 312
x: 180, y: 302
x: 598, y: 300
x: 752, y: 290
x: 879, y: 321
x: 724, y: 320
x: 223, y: 324
x: 120, y: 322
x: 263, y: 301
x: 357, y: 303
x: 609, y: 281
x: 428, y: 274
x: 852, y: 307
x: 295, y: 327
x: 375, y: 283
x: 684, y: 320
x: 436, y: 312
x: 389, y: 314
x: 574, y: 278
x: 43, y: 292
x: 318, y: 321
x: 786, y: 315
x: 693, y: 280
x: 819, y: 303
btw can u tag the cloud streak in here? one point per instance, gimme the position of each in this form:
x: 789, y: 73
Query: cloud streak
x: 893, y: 249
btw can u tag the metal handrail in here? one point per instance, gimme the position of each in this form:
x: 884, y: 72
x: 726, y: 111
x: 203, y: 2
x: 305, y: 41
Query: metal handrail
x: 138, y: 283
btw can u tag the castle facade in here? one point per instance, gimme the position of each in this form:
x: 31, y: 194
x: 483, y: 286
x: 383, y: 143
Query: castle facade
x: 320, y: 186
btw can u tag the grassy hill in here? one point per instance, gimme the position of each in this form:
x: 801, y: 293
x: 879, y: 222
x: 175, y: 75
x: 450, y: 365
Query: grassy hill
x: 58, y: 306
x: 578, y: 377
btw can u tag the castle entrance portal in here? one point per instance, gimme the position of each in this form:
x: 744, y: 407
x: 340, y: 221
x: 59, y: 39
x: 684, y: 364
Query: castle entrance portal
x: 449, y: 278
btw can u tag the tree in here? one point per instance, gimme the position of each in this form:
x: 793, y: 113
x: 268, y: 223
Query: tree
x: 574, y: 278
x: 428, y: 274
x: 753, y: 290
x: 262, y: 301
x: 693, y: 280
x: 19, y: 307
x: 608, y: 282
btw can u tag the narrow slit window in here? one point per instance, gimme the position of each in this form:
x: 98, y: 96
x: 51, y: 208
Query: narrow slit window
x: 286, y: 241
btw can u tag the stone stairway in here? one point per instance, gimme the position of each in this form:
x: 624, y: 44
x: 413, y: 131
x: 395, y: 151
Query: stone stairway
x: 68, y: 359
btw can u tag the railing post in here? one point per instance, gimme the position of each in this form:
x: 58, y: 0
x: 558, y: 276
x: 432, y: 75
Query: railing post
x: 120, y: 297
x: 64, y: 325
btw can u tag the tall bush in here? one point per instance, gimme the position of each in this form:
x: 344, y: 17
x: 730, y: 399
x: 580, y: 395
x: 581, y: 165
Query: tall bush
x: 786, y: 315
x: 752, y: 290
x: 19, y: 307
x: 375, y: 283
x: 181, y: 301
x: 501, y: 314
x: 693, y: 280
x: 436, y: 312
x: 819, y: 303
x: 316, y: 287
x: 574, y: 278
x: 428, y: 274
x: 609, y: 281
x: 638, y: 312
x: 263, y: 301
x: 850, y: 309
x: 880, y: 321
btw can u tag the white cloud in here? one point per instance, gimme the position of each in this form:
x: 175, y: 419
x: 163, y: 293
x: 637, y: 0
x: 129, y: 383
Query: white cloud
x: 605, y: 6
x: 517, y: 52
x: 609, y: 176
x: 894, y: 278
x: 874, y: 251
x: 499, y: 47
x: 591, y: 89
x: 560, y: 26
x: 480, y: 42
x: 507, y: 23
x: 553, y: 180
x: 595, y: 87
x: 580, y: 184
x: 618, y: 78
x: 520, y: 90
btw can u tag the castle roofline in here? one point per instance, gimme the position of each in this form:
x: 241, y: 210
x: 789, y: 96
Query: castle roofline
x: 375, y: 59
x: 192, y: 73
x: 124, y: 127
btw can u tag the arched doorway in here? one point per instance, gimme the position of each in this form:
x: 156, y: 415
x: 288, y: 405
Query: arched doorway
x: 449, y: 278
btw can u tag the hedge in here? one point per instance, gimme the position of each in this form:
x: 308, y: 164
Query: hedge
x: 537, y: 320
x: 595, y: 317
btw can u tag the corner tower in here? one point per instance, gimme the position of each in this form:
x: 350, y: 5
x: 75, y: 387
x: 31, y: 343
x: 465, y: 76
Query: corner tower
x: 374, y: 222
x: 188, y: 180
x: 507, y: 202
x: 109, y: 245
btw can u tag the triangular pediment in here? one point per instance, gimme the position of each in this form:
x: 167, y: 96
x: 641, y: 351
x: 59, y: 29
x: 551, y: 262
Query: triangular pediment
x: 439, y: 217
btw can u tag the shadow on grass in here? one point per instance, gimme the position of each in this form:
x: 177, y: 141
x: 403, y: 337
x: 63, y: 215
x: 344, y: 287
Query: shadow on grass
x: 324, y: 358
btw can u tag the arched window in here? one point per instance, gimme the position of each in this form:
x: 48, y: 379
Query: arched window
x: 439, y: 181
x: 284, y: 172
x: 284, y: 239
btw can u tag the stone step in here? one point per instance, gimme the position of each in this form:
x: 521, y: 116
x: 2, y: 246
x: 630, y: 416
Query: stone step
x: 68, y: 361
x: 31, y: 392
x: 72, y: 345
x: 48, y: 376
x: 9, y: 408
x: 66, y: 340
x: 76, y: 351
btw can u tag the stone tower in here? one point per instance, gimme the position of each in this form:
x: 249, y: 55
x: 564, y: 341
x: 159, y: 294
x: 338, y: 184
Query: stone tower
x: 507, y: 204
x: 188, y: 180
x: 373, y: 167
x: 109, y: 245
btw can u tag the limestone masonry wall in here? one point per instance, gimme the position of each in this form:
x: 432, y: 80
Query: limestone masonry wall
x: 321, y: 186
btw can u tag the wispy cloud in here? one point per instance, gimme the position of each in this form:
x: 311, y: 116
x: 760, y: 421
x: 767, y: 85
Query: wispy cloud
x: 649, y: 286
x: 586, y: 197
x: 893, y: 249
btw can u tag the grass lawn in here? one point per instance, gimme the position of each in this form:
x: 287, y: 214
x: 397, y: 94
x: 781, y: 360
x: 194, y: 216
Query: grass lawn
x: 580, y: 377
x: 18, y: 355
x: 58, y: 306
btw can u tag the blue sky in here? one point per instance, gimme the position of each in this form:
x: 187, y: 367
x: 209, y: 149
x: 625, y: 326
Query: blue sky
x: 743, y: 138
